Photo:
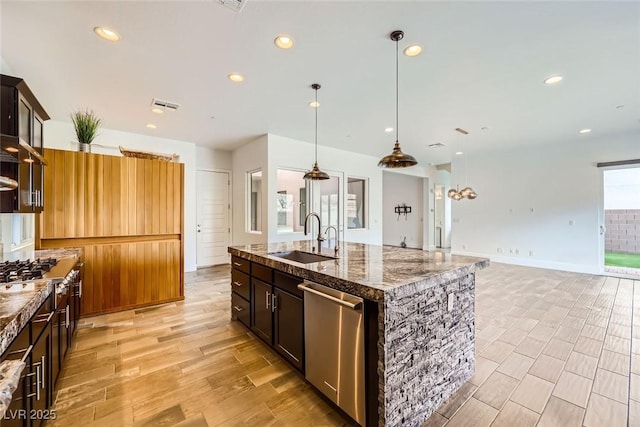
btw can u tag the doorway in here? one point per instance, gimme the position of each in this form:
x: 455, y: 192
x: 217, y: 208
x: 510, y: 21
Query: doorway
x: 213, y: 218
x: 621, y: 228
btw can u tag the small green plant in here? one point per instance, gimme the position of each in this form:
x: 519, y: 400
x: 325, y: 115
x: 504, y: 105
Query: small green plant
x: 86, y: 124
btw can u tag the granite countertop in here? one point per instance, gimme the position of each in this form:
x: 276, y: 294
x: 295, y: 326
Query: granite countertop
x: 20, y: 301
x: 369, y: 271
x: 10, y: 371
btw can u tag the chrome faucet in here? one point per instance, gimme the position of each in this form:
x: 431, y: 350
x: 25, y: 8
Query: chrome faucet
x: 320, y: 237
x: 336, y: 247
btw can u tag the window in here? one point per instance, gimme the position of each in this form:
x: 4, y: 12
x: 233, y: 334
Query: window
x: 291, y: 201
x: 356, y: 202
x: 330, y: 201
x: 254, y: 211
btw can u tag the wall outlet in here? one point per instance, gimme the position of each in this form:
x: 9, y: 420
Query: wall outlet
x: 517, y: 251
x: 450, y: 299
x: 530, y: 252
x: 531, y: 210
x: 464, y: 246
x: 572, y: 222
x: 499, y: 250
x: 511, y: 251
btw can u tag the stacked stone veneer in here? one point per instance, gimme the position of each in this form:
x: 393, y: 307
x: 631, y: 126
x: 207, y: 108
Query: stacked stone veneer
x: 623, y: 230
x: 429, y: 352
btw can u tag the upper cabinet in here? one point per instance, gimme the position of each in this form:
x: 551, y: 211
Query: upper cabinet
x: 21, y: 136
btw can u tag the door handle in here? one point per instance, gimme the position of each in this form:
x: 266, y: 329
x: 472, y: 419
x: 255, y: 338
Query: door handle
x: 267, y: 298
x: 274, y: 302
x: 603, y: 230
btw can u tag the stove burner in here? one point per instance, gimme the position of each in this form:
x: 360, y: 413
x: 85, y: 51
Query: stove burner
x: 13, y: 271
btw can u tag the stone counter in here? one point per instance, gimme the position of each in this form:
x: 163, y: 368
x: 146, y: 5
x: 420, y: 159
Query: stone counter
x: 426, y: 303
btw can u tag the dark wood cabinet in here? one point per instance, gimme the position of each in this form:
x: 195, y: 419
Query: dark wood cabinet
x: 19, y: 349
x: 288, y: 322
x: 261, y: 309
x: 241, y: 290
x: 21, y: 135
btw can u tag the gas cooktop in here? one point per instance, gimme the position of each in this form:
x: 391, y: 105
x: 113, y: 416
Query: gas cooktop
x: 14, y: 271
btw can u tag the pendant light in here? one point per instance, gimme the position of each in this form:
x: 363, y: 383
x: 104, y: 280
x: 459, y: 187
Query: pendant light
x: 397, y: 159
x: 467, y: 192
x: 315, y: 174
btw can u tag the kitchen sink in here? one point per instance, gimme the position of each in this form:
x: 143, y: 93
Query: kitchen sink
x: 302, y: 257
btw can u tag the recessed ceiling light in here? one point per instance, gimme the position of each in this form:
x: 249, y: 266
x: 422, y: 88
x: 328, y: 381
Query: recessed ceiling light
x: 157, y: 110
x: 107, y: 34
x: 413, y: 50
x: 619, y: 106
x: 236, y: 78
x: 388, y: 130
x: 458, y: 153
x: 553, y: 80
x: 284, y: 41
x: 151, y: 126
x: 585, y: 130
x: 484, y: 128
x: 314, y: 104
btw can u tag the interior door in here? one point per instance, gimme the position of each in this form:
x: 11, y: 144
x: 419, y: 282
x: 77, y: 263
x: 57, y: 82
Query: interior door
x: 213, y: 216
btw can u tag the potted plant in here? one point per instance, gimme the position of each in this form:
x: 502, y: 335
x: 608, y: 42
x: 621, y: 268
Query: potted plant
x: 86, y: 124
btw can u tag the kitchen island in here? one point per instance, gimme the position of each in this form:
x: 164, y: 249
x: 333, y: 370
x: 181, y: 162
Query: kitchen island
x: 421, y: 306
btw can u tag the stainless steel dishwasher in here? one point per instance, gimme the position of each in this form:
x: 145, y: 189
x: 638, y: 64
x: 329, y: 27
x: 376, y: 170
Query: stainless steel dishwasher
x: 334, y: 346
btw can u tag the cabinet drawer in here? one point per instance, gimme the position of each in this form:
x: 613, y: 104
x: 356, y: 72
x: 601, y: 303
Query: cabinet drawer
x: 287, y: 283
x: 240, y: 283
x: 261, y: 272
x: 241, y: 264
x: 42, y: 318
x: 240, y: 309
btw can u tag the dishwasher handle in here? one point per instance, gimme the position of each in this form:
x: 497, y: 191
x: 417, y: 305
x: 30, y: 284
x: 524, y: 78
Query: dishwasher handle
x: 351, y: 305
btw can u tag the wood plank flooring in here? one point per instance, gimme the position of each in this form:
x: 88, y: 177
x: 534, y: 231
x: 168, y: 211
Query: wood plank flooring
x: 553, y: 349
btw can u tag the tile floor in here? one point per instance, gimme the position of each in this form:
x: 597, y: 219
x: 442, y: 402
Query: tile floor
x: 553, y: 349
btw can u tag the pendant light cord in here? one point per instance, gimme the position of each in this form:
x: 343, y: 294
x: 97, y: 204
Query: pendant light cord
x: 316, y: 125
x: 397, y: 78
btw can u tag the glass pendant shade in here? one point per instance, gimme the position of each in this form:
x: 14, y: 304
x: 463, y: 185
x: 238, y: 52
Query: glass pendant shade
x: 315, y: 174
x: 451, y: 192
x: 472, y: 195
x: 466, y: 191
x: 397, y: 159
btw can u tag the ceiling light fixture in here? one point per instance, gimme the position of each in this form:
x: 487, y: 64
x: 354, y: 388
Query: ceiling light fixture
x: 413, y: 50
x: 283, y: 41
x: 585, y: 130
x: 315, y: 174
x: 11, y: 149
x: 553, y: 80
x: 107, y: 34
x: 467, y: 192
x: 314, y: 104
x: 157, y: 110
x: 397, y: 159
x: 388, y: 130
x: 236, y: 77
x: 151, y: 126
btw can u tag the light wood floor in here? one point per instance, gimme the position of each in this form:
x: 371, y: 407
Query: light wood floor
x: 554, y: 349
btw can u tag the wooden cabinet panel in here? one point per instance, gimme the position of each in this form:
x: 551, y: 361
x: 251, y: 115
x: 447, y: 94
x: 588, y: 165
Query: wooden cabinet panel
x: 261, y: 314
x: 126, y: 275
x: 289, y: 327
x: 127, y: 214
x: 92, y: 195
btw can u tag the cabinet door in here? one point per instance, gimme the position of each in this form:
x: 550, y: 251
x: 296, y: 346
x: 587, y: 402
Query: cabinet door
x: 41, y: 391
x: 289, y: 327
x: 262, y: 316
x: 24, y: 120
x: 8, y: 122
x: 16, y: 414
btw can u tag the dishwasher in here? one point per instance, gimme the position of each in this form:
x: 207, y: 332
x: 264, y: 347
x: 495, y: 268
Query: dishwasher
x: 334, y: 346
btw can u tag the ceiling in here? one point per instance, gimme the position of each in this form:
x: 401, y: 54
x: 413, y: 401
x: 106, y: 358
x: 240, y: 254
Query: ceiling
x: 483, y: 65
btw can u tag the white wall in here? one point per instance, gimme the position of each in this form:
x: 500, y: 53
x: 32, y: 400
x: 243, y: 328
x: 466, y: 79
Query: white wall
x: 528, y: 199
x: 4, y: 67
x: 210, y: 159
x: 293, y: 154
x: 250, y: 157
x: 58, y: 134
x: 399, y: 189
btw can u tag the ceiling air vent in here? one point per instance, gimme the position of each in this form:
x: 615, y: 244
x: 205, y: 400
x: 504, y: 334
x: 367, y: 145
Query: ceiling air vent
x: 236, y: 5
x: 436, y: 145
x: 462, y: 131
x: 165, y: 105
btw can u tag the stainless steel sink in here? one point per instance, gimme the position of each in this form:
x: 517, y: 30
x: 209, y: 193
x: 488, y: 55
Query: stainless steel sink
x: 302, y: 257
